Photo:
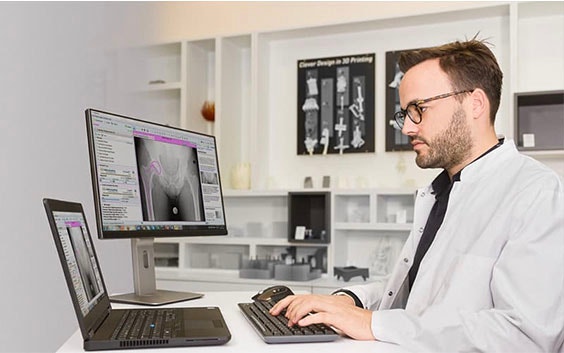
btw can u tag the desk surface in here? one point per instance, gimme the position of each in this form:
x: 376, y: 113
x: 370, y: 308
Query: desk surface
x: 243, y: 336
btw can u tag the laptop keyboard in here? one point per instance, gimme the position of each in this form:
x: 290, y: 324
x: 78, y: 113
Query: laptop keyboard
x: 146, y: 324
x: 274, y: 329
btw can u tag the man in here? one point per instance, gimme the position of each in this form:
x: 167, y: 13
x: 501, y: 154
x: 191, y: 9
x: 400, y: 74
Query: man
x: 483, y: 267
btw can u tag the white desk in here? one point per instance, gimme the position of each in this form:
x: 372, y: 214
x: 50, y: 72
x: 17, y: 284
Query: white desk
x: 243, y: 336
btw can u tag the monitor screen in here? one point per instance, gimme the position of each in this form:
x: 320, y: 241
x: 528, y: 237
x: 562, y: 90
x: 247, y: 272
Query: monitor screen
x: 80, y: 259
x: 152, y: 180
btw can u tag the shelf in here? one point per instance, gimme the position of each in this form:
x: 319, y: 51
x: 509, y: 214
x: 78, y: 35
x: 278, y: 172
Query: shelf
x: 544, y: 154
x: 141, y: 65
x: 222, y: 240
x: 160, y: 87
x: 393, y: 227
x: 232, y: 276
x: 254, y: 193
x: 196, y: 274
x: 307, y: 243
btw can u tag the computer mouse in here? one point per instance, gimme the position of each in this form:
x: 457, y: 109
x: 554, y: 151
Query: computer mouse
x: 274, y: 294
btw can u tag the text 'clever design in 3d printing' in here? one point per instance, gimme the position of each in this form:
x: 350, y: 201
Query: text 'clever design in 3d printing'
x: 336, y: 105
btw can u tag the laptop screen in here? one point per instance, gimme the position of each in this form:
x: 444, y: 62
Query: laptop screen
x: 80, y: 259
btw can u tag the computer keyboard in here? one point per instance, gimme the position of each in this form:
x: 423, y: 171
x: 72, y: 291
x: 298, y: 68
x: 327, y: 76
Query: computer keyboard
x: 274, y: 329
x: 144, y: 324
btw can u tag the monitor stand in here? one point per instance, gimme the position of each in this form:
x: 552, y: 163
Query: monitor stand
x: 146, y: 293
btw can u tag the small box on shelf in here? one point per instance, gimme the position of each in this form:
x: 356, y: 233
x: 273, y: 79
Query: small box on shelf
x: 348, y: 272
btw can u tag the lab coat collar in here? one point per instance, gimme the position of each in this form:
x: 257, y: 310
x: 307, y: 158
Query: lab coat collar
x: 490, y: 164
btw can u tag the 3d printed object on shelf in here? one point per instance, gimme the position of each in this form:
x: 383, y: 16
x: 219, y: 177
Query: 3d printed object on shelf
x: 349, y: 272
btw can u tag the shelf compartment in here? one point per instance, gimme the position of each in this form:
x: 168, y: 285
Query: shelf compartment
x: 316, y: 256
x: 234, y: 127
x: 166, y: 254
x: 201, y: 83
x: 160, y: 106
x: 263, y: 217
x: 394, y: 208
x: 539, y: 62
x: 215, y: 256
x: 378, y: 253
x: 309, y: 217
x: 155, y: 63
x: 352, y: 209
x: 539, y: 120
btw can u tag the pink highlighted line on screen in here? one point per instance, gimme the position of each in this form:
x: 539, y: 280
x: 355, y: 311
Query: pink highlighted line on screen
x: 73, y: 224
x: 164, y: 139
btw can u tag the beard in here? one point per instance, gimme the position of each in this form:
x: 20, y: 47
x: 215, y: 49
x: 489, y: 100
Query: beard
x: 450, y: 147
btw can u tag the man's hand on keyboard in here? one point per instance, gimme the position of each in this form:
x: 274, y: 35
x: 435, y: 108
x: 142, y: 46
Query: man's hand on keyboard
x: 338, y: 311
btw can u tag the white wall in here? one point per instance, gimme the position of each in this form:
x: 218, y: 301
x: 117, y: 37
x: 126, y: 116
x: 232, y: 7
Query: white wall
x: 52, y: 69
x: 173, y: 20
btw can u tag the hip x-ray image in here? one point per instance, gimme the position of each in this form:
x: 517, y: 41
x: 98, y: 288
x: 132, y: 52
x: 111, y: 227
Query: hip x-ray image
x: 170, y: 182
x: 83, y: 262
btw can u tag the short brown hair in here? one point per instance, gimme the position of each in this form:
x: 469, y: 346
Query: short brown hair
x: 469, y: 65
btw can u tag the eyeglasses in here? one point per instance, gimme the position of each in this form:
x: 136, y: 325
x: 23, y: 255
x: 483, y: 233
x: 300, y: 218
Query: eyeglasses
x: 415, y: 112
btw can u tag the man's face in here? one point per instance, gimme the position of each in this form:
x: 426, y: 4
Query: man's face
x: 443, y: 139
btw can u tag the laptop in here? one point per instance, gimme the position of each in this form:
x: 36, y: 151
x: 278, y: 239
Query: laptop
x: 105, y: 328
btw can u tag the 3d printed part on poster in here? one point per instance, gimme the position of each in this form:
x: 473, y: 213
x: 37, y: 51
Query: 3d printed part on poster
x: 336, y: 105
x: 395, y: 140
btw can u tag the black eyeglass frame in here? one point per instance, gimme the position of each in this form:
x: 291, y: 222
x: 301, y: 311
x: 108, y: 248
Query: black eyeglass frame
x: 400, y: 115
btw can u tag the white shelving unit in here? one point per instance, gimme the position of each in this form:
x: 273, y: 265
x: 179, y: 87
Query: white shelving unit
x: 364, y: 224
x: 370, y: 228
x: 252, y: 80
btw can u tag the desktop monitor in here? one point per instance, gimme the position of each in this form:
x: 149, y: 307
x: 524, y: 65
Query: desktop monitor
x: 152, y: 181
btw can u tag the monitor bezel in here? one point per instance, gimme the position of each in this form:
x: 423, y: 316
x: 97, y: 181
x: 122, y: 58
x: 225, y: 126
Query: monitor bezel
x: 186, y: 231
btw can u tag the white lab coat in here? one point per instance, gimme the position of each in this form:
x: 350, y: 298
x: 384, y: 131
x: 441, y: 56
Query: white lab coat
x: 493, y: 278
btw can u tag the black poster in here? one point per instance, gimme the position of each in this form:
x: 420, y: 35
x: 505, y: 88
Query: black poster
x: 336, y: 105
x: 395, y: 140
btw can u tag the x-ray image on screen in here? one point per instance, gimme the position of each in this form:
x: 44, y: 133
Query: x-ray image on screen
x: 210, y: 178
x: 170, y: 181
x: 84, y: 263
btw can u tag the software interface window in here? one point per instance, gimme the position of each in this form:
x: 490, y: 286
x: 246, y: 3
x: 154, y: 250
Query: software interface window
x: 80, y: 258
x: 153, y: 177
